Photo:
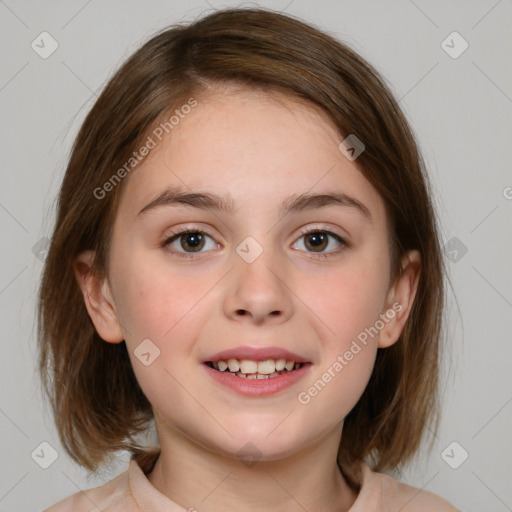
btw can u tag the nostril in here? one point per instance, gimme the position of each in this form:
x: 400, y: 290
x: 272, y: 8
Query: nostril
x: 243, y: 312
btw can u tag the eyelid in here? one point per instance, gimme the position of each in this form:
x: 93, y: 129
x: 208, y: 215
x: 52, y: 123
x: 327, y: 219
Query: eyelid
x: 320, y: 228
x: 189, y: 228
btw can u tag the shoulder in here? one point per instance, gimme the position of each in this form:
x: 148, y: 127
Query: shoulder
x: 114, y: 496
x: 395, y: 495
x: 412, y: 499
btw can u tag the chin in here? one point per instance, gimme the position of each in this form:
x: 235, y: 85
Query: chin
x: 269, y: 443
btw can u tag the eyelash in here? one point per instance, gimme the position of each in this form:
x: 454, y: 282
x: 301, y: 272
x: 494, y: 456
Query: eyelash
x: 303, y: 232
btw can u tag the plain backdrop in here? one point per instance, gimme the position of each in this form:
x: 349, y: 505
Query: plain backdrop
x: 459, y: 102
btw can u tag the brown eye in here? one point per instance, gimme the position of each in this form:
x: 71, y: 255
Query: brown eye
x: 317, y: 241
x: 193, y: 241
x: 188, y: 241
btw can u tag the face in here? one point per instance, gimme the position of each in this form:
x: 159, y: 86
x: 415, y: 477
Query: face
x: 251, y: 276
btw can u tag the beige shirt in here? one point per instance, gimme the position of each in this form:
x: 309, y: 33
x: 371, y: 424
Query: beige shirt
x: 132, y: 492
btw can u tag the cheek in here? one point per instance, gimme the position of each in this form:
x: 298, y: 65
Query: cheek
x: 348, y: 302
x: 163, y: 307
x: 168, y: 307
x: 348, y: 305
x: 349, y: 299
x: 153, y: 298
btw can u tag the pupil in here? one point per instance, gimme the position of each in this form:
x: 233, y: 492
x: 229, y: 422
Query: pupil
x: 194, y: 240
x: 317, y: 240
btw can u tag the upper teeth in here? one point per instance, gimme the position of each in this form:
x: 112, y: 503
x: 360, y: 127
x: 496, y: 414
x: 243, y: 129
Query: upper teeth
x: 249, y: 366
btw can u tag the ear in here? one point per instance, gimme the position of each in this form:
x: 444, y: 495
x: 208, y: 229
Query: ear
x: 400, y: 299
x: 98, y: 298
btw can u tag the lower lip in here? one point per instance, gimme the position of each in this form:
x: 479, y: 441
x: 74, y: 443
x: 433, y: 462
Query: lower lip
x: 258, y: 387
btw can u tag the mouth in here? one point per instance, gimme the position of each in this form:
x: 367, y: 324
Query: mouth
x: 252, y: 369
x: 257, y: 379
x: 257, y: 371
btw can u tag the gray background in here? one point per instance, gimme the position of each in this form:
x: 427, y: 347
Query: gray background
x: 460, y: 109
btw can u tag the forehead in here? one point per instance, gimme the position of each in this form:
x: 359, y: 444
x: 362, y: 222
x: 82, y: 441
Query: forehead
x: 257, y: 147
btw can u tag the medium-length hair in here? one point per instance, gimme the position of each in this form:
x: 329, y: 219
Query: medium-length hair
x: 97, y: 403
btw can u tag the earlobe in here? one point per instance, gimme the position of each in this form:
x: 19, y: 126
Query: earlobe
x: 400, y: 299
x: 98, y: 298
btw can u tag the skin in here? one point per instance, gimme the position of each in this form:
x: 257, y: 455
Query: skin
x: 260, y: 148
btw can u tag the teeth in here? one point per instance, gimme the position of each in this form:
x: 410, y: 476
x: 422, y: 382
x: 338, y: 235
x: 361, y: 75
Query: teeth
x: 280, y: 364
x: 267, y: 367
x: 247, y: 368
x: 233, y: 365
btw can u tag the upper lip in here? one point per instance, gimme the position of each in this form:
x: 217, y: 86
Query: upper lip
x: 256, y: 354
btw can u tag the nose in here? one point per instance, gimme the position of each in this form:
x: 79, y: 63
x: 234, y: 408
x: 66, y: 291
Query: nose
x: 259, y: 292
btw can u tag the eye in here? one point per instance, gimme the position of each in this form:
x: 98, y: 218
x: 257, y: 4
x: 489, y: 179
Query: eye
x: 186, y: 242
x: 317, y: 240
x: 189, y: 241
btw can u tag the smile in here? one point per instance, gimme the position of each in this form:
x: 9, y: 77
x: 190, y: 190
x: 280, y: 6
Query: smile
x: 244, y: 377
x: 250, y: 369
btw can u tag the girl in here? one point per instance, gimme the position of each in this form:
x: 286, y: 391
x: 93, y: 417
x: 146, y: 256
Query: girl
x: 245, y: 202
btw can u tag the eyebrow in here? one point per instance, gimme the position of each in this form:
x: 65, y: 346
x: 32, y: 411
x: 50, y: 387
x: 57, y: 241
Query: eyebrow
x: 225, y: 203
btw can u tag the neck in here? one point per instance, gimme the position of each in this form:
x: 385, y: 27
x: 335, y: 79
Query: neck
x: 197, y: 478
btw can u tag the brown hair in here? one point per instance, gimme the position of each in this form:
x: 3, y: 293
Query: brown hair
x: 97, y: 403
